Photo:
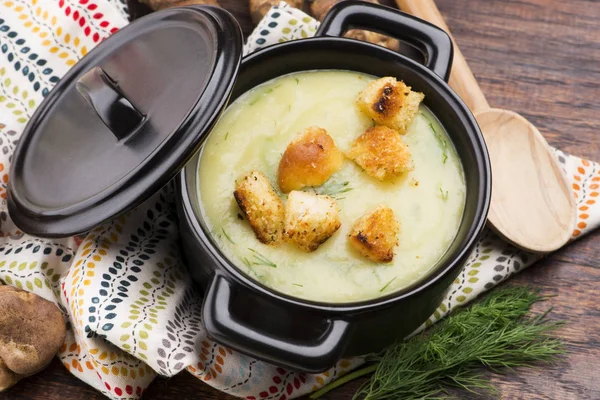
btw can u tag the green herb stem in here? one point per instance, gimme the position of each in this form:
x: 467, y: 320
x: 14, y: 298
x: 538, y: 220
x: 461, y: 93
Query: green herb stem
x: 444, y: 194
x: 227, y: 236
x: 343, y: 380
x: 259, y: 259
x: 387, y: 284
x: 440, y: 139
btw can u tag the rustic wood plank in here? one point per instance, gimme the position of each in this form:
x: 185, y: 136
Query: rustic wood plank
x: 539, y: 58
x: 586, y: 254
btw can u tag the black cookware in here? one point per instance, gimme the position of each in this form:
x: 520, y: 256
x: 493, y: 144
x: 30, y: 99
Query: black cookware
x: 145, y: 100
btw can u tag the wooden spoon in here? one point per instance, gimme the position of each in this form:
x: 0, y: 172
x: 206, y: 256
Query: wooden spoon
x: 532, y: 206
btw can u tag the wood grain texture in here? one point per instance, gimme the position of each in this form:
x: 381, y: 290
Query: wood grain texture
x: 461, y: 78
x: 538, y: 57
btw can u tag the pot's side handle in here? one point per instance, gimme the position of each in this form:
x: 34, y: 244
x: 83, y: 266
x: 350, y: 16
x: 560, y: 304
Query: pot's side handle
x: 223, y: 326
x: 434, y: 43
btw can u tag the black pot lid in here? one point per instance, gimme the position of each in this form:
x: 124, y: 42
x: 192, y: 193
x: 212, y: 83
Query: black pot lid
x: 124, y: 121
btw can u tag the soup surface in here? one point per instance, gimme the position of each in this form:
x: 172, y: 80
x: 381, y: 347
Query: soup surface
x: 252, y: 136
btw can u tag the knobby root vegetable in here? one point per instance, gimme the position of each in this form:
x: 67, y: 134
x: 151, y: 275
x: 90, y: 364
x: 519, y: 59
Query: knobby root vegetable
x: 32, y: 330
x: 319, y: 9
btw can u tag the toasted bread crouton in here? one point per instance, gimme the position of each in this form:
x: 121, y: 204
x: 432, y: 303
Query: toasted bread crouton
x: 381, y: 153
x: 309, y: 160
x: 390, y: 102
x: 310, y: 219
x: 375, y: 234
x: 261, y: 206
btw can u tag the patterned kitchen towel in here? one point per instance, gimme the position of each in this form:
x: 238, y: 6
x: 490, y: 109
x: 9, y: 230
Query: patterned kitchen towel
x: 131, y: 308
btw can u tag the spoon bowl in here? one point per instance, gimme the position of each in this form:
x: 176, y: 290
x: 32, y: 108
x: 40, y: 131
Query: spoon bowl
x: 532, y: 204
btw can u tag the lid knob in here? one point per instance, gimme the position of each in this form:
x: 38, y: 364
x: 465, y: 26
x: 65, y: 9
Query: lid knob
x: 102, y: 93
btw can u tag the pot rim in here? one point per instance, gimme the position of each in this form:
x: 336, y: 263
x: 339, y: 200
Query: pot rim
x: 436, y: 273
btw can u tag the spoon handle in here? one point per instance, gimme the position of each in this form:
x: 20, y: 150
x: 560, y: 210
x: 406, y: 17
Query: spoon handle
x: 461, y: 77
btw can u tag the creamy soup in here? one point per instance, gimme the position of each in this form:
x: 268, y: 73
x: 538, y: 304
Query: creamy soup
x: 252, y: 135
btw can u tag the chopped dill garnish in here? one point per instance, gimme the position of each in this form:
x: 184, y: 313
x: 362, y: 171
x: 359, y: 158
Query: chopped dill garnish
x: 444, y: 194
x: 297, y: 80
x: 259, y: 259
x: 498, y: 334
x: 333, y: 189
x: 255, y: 100
x: 227, y: 236
x: 440, y: 139
x: 441, y: 142
x: 226, y: 135
x: 297, y: 284
x: 263, y: 94
x: 270, y: 90
x: 388, y: 284
x: 249, y: 265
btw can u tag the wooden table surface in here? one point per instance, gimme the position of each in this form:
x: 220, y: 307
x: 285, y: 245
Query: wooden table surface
x: 542, y: 59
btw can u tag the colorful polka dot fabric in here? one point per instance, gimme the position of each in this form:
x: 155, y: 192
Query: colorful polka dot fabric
x: 132, y: 312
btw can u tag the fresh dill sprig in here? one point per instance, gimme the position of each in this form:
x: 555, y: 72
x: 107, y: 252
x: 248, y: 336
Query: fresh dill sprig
x: 387, y: 284
x: 444, y: 194
x: 259, y: 259
x: 297, y: 284
x: 333, y: 188
x: 440, y: 139
x: 496, y: 333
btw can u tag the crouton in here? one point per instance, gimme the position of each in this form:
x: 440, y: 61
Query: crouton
x: 390, y: 103
x: 262, y: 207
x: 381, y: 153
x: 310, y: 219
x: 309, y: 160
x: 375, y: 234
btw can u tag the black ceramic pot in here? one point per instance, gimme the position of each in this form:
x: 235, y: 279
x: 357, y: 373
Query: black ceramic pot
x: 130, y: 115
x: 312, y: 336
